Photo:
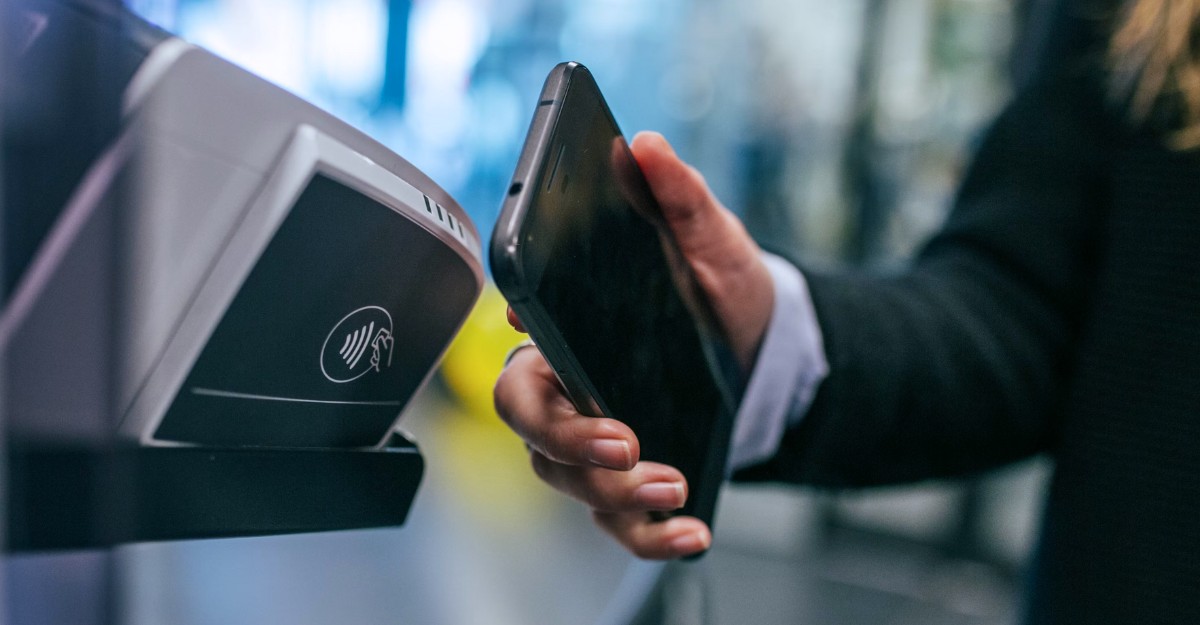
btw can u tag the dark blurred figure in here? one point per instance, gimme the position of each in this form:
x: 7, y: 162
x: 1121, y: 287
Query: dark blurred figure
x: 1057, y: 312
x: 65, y: 66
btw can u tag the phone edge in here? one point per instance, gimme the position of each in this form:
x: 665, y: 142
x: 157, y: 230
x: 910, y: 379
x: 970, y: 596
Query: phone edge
x: 509, y: 270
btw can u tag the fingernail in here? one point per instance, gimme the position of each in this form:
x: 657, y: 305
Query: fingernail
x: 660, y: 495
x: 690, y: 543
x: 613, y: 454
x: 667, y: 144
x: 664, y: 144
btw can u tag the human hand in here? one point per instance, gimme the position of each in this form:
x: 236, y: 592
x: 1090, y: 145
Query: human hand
x: 724, y: 259
x: 595, y: 460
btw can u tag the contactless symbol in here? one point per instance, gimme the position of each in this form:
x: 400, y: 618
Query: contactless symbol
x: 359, y: 344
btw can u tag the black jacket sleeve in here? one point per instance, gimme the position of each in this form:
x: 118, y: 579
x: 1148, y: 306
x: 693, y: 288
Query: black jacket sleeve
x: 958, y: 363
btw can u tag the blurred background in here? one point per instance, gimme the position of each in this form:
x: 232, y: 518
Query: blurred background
x: 837, y: 130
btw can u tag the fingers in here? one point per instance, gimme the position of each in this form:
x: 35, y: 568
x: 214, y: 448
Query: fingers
x: 595, y: 460
x: 529, y: 399
x: 621, y: 500
x: 725, y: 260
x: 514, y: 321
x: 648, y: 486
x: 663, y: 540
x: 683, y: 195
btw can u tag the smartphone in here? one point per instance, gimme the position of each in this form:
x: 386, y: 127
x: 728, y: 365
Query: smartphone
x: 584, y: 257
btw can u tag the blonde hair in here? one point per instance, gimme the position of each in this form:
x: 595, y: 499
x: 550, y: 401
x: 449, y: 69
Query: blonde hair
x: 1154, y: 64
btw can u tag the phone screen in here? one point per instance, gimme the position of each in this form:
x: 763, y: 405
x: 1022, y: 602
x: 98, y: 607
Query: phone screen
x: 614, y: 289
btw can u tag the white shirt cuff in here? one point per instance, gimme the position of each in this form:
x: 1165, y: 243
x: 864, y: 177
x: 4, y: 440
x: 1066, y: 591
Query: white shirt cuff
x: 790, y: 366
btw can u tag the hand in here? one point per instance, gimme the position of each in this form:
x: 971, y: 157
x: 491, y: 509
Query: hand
x: 595, y: 460
x: 725, y: 260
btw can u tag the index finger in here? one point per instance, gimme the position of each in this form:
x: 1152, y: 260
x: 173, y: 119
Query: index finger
x: 514, y: 321
x: 531, y: 401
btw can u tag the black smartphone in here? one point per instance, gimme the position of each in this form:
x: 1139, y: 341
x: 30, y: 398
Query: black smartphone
x: 584, y: 257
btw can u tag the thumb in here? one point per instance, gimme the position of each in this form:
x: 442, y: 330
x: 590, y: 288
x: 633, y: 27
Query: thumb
x: 725, y: 260
x: 694, y: 215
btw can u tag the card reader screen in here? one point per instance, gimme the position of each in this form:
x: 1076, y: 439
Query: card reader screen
x: 338, y: 323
